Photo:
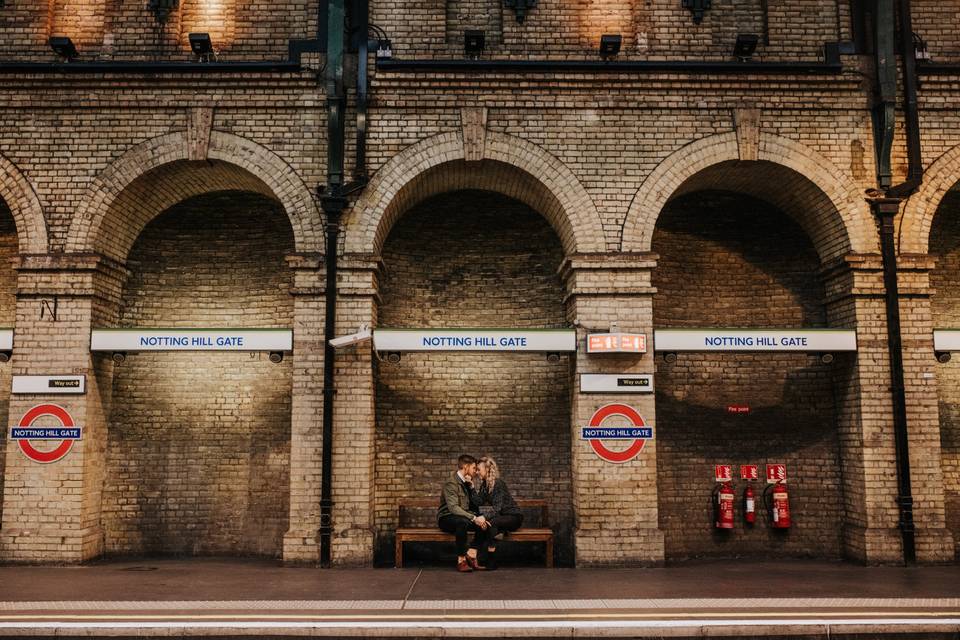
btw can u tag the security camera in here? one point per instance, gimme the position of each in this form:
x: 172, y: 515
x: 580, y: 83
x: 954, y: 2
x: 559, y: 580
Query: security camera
x: 393, y: 357
x: 118, y: 357
x: 5, y: 356
x: 943, y: 357
x: 364, y: 335
x: 276, y: 357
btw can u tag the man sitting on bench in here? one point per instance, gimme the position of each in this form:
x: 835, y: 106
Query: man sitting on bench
x: 456, y: 514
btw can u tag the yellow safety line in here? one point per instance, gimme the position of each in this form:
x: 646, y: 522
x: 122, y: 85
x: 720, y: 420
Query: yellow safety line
x: 505, y: 616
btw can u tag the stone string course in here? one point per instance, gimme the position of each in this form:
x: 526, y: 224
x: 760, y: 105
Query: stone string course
x: 663, y: 199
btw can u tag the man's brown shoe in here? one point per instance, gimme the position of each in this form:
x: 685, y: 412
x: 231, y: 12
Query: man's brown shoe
x: 463, y: 567
x: 474, y: 564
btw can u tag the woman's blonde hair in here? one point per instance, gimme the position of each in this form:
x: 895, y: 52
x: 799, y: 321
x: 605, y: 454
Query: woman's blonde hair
x: 493, y: 471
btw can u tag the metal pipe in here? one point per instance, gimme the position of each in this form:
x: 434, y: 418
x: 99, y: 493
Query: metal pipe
x: 26, y: 68
x: 830, y: 67
x: 333, y: 202
x: 360, y: 170
x: 908, y: 56
x: 886, y: 210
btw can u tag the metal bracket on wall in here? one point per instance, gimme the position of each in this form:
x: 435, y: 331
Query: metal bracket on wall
x: 48, y: 307
x: 697, y: 8
x: 520, y: 7
x: 163, y: 8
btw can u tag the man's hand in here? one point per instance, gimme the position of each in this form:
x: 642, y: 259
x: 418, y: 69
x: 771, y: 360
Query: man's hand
x: 481, y: 522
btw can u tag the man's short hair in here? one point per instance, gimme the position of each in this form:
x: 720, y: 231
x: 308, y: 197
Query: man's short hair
x: 464, y: 460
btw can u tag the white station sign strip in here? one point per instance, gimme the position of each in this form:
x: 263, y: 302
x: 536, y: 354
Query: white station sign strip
x: 191, y: 340
x: 616, y: 383
x: 49, y: 384
x: 946, y: 340
x: 474, y: 340
x: 813, y: 340
x: 6, y: 339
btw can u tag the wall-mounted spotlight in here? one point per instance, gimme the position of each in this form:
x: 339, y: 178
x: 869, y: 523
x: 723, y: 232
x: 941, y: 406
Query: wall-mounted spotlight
x: 745, y: 46
x: 5, y: 356
x: 393, y: 357
x: 610, y: 45
x: 276, y: 357
x: 670, y: 357
x: 943, y: 357
x: 553, y: 357
x: 202, y: 46
x: 118, y: 357
x: 63, y: 47
x: 827, y: 358
x: 474, y: 43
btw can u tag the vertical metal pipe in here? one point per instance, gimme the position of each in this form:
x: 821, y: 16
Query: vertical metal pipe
x: 908, y: 58
x: 333, y: 203
x: 886, y: 210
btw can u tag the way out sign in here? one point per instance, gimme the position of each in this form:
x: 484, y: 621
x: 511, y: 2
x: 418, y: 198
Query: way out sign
x: 58, y: 439
x: 636, y: 433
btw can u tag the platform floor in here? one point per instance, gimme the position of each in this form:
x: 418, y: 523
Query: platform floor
x: 202, y: 597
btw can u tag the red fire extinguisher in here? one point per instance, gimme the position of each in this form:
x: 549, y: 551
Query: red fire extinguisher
x: 779, y: 506
x: 723, y: 507
x: 749, y: 506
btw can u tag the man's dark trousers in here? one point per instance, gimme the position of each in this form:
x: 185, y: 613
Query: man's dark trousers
x: 460, y: 526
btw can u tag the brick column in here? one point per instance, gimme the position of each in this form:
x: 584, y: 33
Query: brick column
x: 615, y: 505
x: 933, y: 540
x: 354, y: 419
x: 301, y: 542
x: 855, y: 299
x: 52, y: 511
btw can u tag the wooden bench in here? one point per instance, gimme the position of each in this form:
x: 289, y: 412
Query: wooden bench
x: 434, y: 534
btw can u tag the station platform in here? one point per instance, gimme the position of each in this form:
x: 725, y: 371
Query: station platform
x: 246, y: 598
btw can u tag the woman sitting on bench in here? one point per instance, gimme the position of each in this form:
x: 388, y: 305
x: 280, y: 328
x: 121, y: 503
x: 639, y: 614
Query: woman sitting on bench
x: 496, y: 504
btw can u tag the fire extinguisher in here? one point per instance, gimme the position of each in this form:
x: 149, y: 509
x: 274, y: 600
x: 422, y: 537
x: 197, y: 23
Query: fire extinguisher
x: 723, y: 506
x: 749, y: 505
x: 779, y: 506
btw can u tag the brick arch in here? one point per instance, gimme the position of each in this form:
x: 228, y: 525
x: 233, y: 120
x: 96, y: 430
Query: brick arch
x: 939, y: 178
x: 786, y: 174
x: 157, y: 174
x: 25, y: 208
x: 511, y: 166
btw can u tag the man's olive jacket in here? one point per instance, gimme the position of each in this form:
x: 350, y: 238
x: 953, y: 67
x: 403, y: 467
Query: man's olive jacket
x: 455, y: 499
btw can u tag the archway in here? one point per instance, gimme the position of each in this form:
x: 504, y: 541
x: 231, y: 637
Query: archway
x: 8, y: 311
x: 198, y: 448
x: 472, y: 258
x: 741, y: 244
x: 944, y: 245
x: 198, y: 443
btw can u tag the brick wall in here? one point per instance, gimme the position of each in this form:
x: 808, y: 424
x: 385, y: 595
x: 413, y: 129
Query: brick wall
x: 8, y: 308
x: 105, y: 29
x: 199, y: 444
x: 650, y: 29
x: 945, y: 245
x: 731, y: 261
x: 472, y: 259
x: 937, y: 24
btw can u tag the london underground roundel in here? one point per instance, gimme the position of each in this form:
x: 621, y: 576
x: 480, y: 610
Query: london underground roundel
x: 60, y: 437
x: 635, y: 434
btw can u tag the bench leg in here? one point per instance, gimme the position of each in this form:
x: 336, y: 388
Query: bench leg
x: 550, y: 553
x: 398, y: 553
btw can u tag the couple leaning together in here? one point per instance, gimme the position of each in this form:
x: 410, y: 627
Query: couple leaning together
x: 476, y: 499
